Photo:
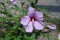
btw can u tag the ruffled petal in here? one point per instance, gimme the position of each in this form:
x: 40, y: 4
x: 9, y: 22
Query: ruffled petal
x: 38, y: 26
x: 29, y: 27
x: 25, y: 20
x: 31, y: 11
x: 53, y: 27
x: 39, y: 15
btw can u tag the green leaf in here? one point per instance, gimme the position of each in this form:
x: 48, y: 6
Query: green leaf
x: 45, y: 34
x: 16, y: 8
x: 23, y: 30
x: 14, y: 28
x: 32, y: 37
x: 5, y: 25
x: 2, y: 19
x: 33, y: 1
x: 26, y: 37
x: 11, y: 18
x: 30, y: 1
x: 17, y: 38
x: 22, y: 3
x: 24, y: 11
x: 7, y: 36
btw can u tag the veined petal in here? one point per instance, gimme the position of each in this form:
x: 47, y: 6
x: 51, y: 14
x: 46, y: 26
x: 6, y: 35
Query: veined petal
x: 38, y: 26
x: 31, y: 11
x: 29, y: 27
x: 41, y: 23
x: 39, y: 15
x: 25, y: 20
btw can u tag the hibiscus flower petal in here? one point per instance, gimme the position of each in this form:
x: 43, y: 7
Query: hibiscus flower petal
x: 29, y: 27
x: 41, y: 22
x: 25, y: 20
x: 13, y: 1
x: 39, y: 15
x: 31, y: 11
x: 38, y: 26
x: 53, y: 27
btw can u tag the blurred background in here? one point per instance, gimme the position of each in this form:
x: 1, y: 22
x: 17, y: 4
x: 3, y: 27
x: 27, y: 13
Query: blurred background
x: 53, y: 6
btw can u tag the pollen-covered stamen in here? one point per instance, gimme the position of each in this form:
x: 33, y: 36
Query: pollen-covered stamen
x: 32, y: 20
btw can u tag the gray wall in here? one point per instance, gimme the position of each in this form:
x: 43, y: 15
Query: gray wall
x: 43, y: 2
x: 52, y: 5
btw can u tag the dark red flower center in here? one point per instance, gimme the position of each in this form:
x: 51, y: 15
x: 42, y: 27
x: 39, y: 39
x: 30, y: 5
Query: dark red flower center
x: 33, y: 19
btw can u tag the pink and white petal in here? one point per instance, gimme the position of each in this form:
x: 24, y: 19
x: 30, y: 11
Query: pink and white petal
x: 39, y: 15
x: 38, y: 26
x: 29, y: 27
x: 31, y: 11
x: 25, y: 20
